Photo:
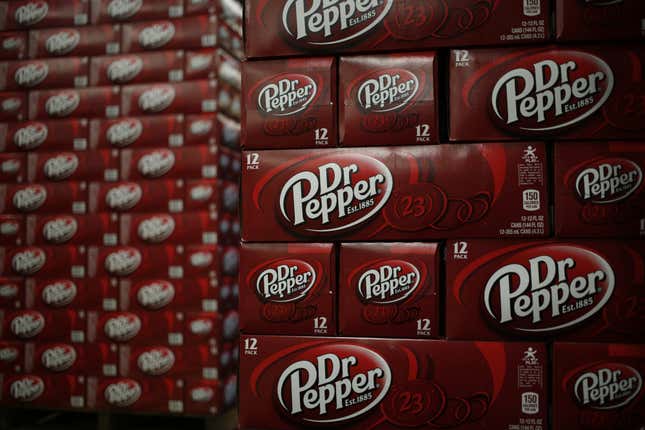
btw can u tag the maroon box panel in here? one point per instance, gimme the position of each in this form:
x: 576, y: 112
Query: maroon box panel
x: 194, y: 295
x: 290, y: 103
x: 599, y: 19
x: 77, y: 229
x: 50, y: 391
x: 100, y: 165
x: 288, y: 289
x: 13, y: 106
x: 63, y: 135
x: 141, y: 262
x: 100, y: 102
x: 187, y: 33
x: 598, y: 386
x: 43, y: 261
x: 13, y: 230
x: 599, y: 191
x: 389, y: 290
x: 388, y: 100
x: 63, y: 326
x: 281, y: 27
x: 136, y: 68
x: 69, y: 293
x: 141, y: 328
x: 134, y: 10
x: 150, y: 229
x: 13, y: 45
x: 81, y: 41
x: 572, y: 291
x: 24, y: 14
x: 68, y: 197
x: 398, y: 193
x: 46, y: 73
x: 570, y: 92
x: 47, y: 358
x: 161, y: 163
x: 186, y: 97
x: 141, y: 132
x: 147, y: 196
x: 151, y: 395
x: 485, y: 388
x: 13, y: 167
x: 175, y: 362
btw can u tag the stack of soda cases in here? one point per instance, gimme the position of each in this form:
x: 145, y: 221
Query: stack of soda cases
x: 119, y: 228
x: 443, y: 215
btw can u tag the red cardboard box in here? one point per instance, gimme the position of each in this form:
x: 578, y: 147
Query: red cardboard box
x: 23, y: 14
x: 230, y: 38
x: 175, y: 362
x: 12, y: 293
x: 213, y: 196
x: 229, y: 131
x: 13, y: 106
x: 204, y: 396
x: 146, y: 196
x: 141, y: 262
x: 12, y: 357
x: 398, y: 193
x: 81, y: 41
x: 599, y: 20
x: 141, y: 132
x: 73, y: 166
x: 288, y: 289
x: 361, y: 382
x: 186, y: 33
x: 151, y: 395
x: 209, y: 64
x: 563, y: 290
x: 203, y: 129
x: 134, y: 10
x: 44, y: 358
x: 76, y: 229
x: 598, y: 386
x: 47, y: 73
x: 59, y: 293
x: 136, y: 68
x: 13, y: 230
x: 205, y: 328
x: 185, y: 97
x: 182, y: 163
x: 44, y: 198
x: 229, y: 100
x: 185, y: 228
x: 13, y: 45
x: 140, y: 328
x: 102, y: 102
x: 290, y: 103
x: 599, y: 192
x: 198, y: 294
x: 388, y: 290
x: 498, y: 94
x: 281, y: 27
x: 46, y: 391
x: 208, y: 261
x: 63, y: 326
x: 43, y: 261
x: 388, y: 100
x: 62, y: 135
x: 13, y: 167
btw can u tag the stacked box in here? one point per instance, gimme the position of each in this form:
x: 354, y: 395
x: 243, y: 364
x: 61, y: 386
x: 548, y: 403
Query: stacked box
x: 119, y: 226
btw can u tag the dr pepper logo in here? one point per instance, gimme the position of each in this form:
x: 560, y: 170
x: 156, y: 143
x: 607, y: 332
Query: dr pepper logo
x: 386, y: 281
x: 285, y: 280
x: 550, y: 91
x: 387, y: 90
x: 286, y: 94
x: 608, y: 180
x: 27, y: 388
x: 332, y: 384
x: 329, y: 23
x: 547, y: 288
x: 333, y: 193
x: 58, y: 358
x: 31, y: 13
x: 606, y: 386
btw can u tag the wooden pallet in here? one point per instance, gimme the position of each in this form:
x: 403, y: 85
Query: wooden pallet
x: 39, y: 419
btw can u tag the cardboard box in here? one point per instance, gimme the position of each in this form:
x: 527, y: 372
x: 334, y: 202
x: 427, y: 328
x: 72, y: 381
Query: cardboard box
x: 59, y: 326
x: 151, y: 395
x: 186, y: 33
x: 179, y: 98
x: 185, y: 295
x: 194, y: 162
x: 46, y: 198
x: 138, y: 132
x: 185, y: 228
x: 81, y: 41
x: 44, y: 261
x: 132, y: 10
x: 100, y: 102
x: 585, y: 290
x: 90, y: 229
x: 163, y: 66
x: 102, y: 165
x: 43, y: 391
x: 13, y: 45
x: 13, y: 167
x: 21, y: 14
x: 145, y: 196
x: 57, y: 135
x: 163, y: 328
x: 13, y: 106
